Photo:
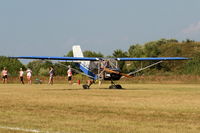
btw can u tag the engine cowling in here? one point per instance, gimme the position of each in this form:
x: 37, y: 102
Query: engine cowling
x: 112, y: 76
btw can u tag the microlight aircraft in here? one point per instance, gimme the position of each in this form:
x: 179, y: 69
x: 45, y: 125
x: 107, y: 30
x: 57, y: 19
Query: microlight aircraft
x: 98, y: 68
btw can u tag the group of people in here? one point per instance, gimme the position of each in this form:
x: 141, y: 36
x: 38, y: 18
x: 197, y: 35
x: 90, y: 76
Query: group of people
x: 28, y: 75
x: 4, y: 75
x: 52, y: 74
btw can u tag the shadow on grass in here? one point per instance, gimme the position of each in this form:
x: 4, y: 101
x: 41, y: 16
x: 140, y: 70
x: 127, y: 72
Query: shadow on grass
x: 140, y: 89
x: 128, y: 89
x: 62, y: 89
x: 80, y: 89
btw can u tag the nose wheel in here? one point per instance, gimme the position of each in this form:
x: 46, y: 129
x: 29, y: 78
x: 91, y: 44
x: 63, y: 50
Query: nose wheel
x: 87, y: 86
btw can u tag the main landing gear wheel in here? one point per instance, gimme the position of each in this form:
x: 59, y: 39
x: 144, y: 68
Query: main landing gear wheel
x: 86, y: 87
x: 115, y: 87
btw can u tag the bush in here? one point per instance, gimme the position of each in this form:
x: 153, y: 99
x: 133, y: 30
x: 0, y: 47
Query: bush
x: 43, y: 72
x: 13, y: 65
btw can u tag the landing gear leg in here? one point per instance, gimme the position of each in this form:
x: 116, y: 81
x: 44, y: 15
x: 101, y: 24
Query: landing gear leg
x: 114, y: 86
x: 87, y: 86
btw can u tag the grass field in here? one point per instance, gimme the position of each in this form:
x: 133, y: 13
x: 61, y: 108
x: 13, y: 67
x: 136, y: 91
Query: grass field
x: 139, y: 108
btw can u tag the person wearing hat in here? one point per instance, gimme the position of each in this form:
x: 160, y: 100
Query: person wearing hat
x: 29, y: 75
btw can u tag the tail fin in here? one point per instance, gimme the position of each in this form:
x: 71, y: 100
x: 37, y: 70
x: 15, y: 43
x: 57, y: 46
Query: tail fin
x: 77, y: 52
x: 84, y: 65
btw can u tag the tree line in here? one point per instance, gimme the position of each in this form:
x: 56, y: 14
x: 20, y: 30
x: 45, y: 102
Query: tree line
x: 159, y: 48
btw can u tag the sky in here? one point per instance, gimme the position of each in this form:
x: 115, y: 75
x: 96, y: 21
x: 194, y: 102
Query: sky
x: 52, y: 27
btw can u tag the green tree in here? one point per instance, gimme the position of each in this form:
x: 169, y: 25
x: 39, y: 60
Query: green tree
x: 92, y: 54
x: 192, y: 67
x: 151, y: 49
x: 43, y: 72
x: 13, y: 65
x: 136, y: 50
x: 69, y: 54
x: 36, y: 65
x: 120, y: 53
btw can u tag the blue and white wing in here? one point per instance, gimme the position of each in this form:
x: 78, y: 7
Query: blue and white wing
x: 57, y: 58
x: 152, y: 59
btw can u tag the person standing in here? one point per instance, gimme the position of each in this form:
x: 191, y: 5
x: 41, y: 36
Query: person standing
x: 21, y: 76
x: 29, y: 74
x: 51, y: 75
x: 69, y: 74
x: 4, y: 74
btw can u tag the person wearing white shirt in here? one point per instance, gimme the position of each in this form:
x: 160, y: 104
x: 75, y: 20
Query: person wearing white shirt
x: 4, y: 74
x: 29, y: 74
x: 21, y: 76
x: 69, y: 74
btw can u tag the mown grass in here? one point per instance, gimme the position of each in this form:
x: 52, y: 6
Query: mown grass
x: 139, y: 108
x: 170, y: 79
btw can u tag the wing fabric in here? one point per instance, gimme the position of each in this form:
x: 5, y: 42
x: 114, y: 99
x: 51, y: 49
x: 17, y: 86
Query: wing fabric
x: 152, y: 59
x: 97, y: 58
x: 58, y: 58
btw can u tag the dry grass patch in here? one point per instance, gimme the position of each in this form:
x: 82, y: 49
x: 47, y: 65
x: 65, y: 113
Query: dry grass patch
x: 138, y: 108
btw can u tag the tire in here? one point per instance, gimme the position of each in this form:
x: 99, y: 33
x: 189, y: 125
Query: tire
x: 115, y: 87
x: 85, y: 87
x: 112, y: 87
x: 118, y: 86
